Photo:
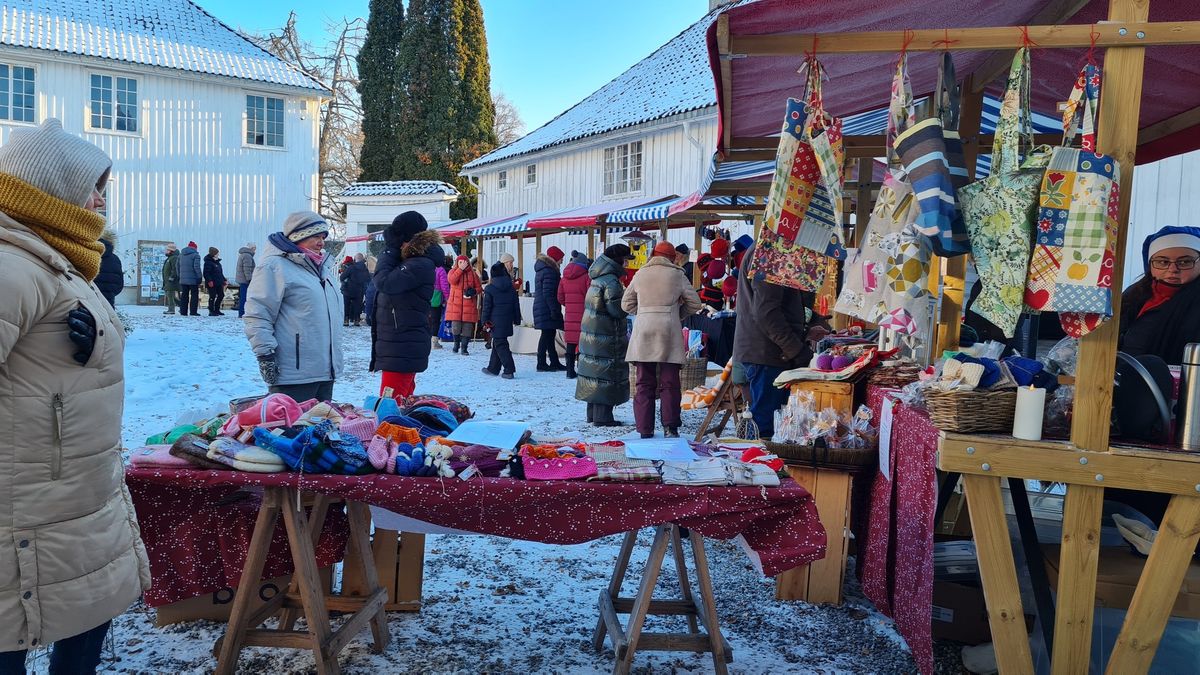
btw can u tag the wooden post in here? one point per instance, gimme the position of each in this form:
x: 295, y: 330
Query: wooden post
x: 521, y: 255
x: 862, y: 211
x: 592, y: 243
x: 1116, y: 137
x: 698, y: 227
x: 537, y: 243
x: 1078, y: 562
x: 662, y: 230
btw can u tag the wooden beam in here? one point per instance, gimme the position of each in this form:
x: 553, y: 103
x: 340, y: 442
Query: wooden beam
x: 872, y: 143
x: 1053, y: 13
x: 740, y: 208
x: 698, y: 241
x: 1116, y: 136
x: 726, y: 78
x: 1078, y: 559
x: 591, y: 234
x: 1119, y: 33
x: 521, y: 257
x: 1169, y: 126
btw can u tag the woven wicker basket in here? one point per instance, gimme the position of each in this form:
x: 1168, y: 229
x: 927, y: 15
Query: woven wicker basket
x: 970, y: 412
x: 691, y: 375
x: 848, y: 459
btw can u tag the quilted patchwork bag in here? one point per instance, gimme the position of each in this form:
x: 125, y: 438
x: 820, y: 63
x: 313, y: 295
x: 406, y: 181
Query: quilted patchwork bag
x: 778, y: 262
x: 1071, y: 270
x: 999, y: 210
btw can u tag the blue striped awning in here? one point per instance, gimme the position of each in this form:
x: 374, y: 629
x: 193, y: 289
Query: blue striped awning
x: 513, y: 225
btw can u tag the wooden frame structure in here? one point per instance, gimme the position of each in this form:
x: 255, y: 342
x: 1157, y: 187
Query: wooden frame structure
x: 1087, y: 463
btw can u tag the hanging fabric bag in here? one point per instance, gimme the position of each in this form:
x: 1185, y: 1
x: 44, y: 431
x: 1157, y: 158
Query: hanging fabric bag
x: 931, y: 152
x: 999, y: 210
x: 1071, y: 270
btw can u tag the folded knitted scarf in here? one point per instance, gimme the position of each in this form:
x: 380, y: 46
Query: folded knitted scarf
x: 244, y: 457
x: 709, y: 471
x: 194, y: 449
x: 157, y: 457
x: 71, y: 230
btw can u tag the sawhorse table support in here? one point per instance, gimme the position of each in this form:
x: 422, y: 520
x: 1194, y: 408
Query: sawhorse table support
x: 627, y: 640
x: 304, y: 596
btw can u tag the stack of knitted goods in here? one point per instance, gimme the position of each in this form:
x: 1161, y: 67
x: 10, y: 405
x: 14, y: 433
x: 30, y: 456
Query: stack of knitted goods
x: 241, y: 457
x: 158, y: 457
x: 408, y: 459
x: 316, y: 448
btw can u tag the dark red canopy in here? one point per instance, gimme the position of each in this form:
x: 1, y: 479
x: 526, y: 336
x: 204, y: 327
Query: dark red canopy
x: 860, y: 82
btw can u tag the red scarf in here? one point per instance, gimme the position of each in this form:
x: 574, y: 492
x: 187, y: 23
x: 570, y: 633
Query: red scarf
x: 1159, y: 295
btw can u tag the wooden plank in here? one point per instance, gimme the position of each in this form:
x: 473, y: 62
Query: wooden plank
x: 1054, y: 12
x: 969, y: 39
x: 614, y: 589
x: 862, y: 212
x: 998, y: 573
x: 685, y: 586
x: 708, y: 604
x: 372, y: 608
x: 591, y: 235
x: 260, y: 542
x: 410, y: 571
x: 288, y: 639
x: 641, y: 603
x: 726, y: 78
x: 1157, y: 588
x: 360, y: 525
x: 311, y: 593
x: 674, y: 642
x: 822, y: 580
x: 612, y: 624
x: 385, y: 545
x: 1079, y: 558
x: 697, y: 244
x: 521, y: 255
x: 657, y: 607
x: 1116, y: 136
x: 1183, y: 120
x: 996, y: 456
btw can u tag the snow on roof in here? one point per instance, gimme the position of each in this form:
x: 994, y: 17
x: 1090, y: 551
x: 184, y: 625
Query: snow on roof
x: 175, y: 34
x: 399, y: 187
x: 674, y: 79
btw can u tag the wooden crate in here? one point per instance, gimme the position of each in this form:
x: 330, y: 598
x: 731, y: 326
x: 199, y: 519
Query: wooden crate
x: 400, y: 561
x: 821, y: 581
x: 841, y: 396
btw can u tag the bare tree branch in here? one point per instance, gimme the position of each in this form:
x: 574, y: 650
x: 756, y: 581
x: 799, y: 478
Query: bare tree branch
x: 508, y: 124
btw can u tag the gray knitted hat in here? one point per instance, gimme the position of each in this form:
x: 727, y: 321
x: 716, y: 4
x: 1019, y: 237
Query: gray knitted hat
x: 303, y: 224
x: 58, y: 163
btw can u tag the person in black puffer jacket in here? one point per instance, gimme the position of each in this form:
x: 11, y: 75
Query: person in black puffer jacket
x: 354, y: 278
x: 501, y: 311
x: 547, y: 313
x: 214, y: 281
x: 111, y: 279
x: 404, y: 276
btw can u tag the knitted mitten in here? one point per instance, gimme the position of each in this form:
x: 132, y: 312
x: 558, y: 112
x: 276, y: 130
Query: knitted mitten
x: 348, y: 449
x: 281, y: 445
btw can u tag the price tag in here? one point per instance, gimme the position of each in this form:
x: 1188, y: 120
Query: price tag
x: 504, y: 455
x: 885, y: 436
x: 334, y: 437
x: 278, y: 431
x: 469, y: 472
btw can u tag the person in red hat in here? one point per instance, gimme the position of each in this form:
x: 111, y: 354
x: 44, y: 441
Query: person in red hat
x: 659, y: 296
x: 547, y: 313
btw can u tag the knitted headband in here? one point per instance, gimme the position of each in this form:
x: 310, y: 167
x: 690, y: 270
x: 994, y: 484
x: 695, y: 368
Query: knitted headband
x: 308, y: 231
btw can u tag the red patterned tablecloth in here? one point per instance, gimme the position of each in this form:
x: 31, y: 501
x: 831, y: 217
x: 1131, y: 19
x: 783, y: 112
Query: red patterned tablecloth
x: 779, y: 525
x: 896, y: 563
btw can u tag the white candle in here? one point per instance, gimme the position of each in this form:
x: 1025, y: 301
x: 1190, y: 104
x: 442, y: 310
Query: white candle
x: 1027, y: 421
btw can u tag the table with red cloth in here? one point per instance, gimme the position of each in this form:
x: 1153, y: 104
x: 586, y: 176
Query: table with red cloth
x: 200, y: 547
x: 895, y: 540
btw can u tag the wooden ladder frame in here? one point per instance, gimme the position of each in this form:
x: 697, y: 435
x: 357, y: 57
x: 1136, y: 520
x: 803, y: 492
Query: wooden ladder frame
x: 627, y: 640
x: 724, y: 404
x: 304, y: 595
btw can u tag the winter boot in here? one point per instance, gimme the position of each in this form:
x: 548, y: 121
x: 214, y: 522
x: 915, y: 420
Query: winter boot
x: 590, y: 409
x: 672, y: 432
x: 457, y: 342
x: 603, y: 416
x: 345, y: 322
x: 436, y: 342
x: 465, y: 341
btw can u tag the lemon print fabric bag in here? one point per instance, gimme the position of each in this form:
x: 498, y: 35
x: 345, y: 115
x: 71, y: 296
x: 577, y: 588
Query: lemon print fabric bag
x: 1071, y: 270
x: 999, y: 210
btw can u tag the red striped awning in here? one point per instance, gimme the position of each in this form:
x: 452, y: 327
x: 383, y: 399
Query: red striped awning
x: 586, y: 216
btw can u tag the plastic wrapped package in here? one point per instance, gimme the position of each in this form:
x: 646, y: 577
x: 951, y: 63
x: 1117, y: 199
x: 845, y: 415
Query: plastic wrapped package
x: 1061, y: 358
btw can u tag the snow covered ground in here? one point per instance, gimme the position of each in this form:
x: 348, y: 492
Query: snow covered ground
x: 490, y: 604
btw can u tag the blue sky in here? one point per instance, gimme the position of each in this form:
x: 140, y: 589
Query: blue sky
x: 546, y: 55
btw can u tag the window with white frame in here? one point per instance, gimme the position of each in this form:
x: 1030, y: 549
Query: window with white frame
x: 502, y: 180
x: 531, y: 174
x: 264, y: 121
x: 623, y: 168
x: 114, y: 103
x: 16, y: 93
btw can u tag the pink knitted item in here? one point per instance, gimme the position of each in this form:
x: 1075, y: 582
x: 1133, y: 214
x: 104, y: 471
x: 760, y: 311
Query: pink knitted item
x: 275, y: 410
x: 362, y: 428
x: 305, y: 406
x: 565, y: 468
x: 231, y: 428
x: 157, y: 457
x: 382, y: 453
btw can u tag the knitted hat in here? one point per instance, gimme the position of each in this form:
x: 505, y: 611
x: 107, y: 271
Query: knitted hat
x: 720, y: 248
x: 618, y: 253
x: 304, y: 224
x: 192, y: 244
x: 664, y: 249
x: 212, y: 250
x: 499, y: 270
x: 556, y: 253
x: 404, y: 227
x: 462, y: 257
x: 507, y: 258
x: 1170, y: 237
x: 347, y: 260
x: 683, y: 248
x: 172, y: 247
x: 58, y: 163
x: 742, y: 243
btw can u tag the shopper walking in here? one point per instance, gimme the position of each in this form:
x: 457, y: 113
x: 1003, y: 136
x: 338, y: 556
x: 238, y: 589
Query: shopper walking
x: 462, y: 307
x: 571, y: 293
x: 547, y: 313
x: 404, y: 279
x: 437, y: 304
x: 603, y: 381
x: 292, y: 306
x: 354, y: 279
x: 71, y: 558
x: 170, y: 278
x: 659, y: 297
x: 191, y: 275
x: 244, y: 273
x: 111, y: 279
x: 214, y: 281
x: 501, y: 311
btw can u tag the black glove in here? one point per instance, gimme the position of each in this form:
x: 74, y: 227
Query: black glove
x: 83, y: 333
x: 268, y: 368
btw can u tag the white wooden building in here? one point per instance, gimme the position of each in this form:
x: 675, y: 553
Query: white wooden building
x: 370, y: 207
x: 213, y: 140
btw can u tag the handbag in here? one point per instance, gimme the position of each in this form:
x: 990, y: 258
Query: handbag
x: 444, y: 331
x: 436, y: 299
x: 931, y: 153
x: 1071, y: 270
x: 999, y: 210
x: 778, y: 262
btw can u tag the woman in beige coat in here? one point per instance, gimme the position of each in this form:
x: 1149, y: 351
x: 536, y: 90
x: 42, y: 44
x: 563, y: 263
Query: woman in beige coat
x: 660, y: 296
x: 71, y: 557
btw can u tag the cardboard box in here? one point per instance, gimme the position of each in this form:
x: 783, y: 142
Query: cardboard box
x: 1117, y: 579
x: 960, y: 614
x: 216, y: 606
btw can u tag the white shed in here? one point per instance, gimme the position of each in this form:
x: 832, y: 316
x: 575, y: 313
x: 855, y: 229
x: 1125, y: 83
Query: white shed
x: 370, y: 207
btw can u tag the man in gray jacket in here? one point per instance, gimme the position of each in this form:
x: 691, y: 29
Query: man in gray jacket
x: 245, y: 272
x: 293, y: 307
x: 191, y: 274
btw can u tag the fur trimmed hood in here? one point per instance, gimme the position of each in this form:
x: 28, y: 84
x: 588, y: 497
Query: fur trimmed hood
x: 427, y: 243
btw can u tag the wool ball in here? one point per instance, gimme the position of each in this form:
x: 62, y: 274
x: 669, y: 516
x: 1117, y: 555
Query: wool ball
x: 841, y: 362
x: 824, y: 362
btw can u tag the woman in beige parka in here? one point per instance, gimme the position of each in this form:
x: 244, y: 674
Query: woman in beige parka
x: 71, y: 557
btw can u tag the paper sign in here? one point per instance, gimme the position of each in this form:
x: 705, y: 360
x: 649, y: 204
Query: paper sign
x: 885, y: 437
x: 665, y: 449
x: 503, y: 435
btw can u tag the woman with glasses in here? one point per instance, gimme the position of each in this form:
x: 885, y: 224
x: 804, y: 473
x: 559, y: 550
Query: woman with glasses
x: 1160, y: 313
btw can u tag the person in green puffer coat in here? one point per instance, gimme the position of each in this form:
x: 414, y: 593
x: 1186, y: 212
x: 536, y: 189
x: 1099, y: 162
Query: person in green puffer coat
x: 603, y: 375
x: 170, y: 278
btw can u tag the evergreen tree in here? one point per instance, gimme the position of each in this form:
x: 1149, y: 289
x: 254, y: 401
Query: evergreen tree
x: 476, y: 112
x: 379, y: 88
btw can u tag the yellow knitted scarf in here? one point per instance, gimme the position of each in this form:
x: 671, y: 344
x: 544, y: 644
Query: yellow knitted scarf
x: 71, y: 230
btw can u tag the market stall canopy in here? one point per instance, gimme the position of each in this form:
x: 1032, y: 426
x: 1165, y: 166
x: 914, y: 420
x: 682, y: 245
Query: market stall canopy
x: 473, y: 225
x: 513, y: 224
x: 446, y: 227
x: 752, y: 90
x: 585, y: 216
